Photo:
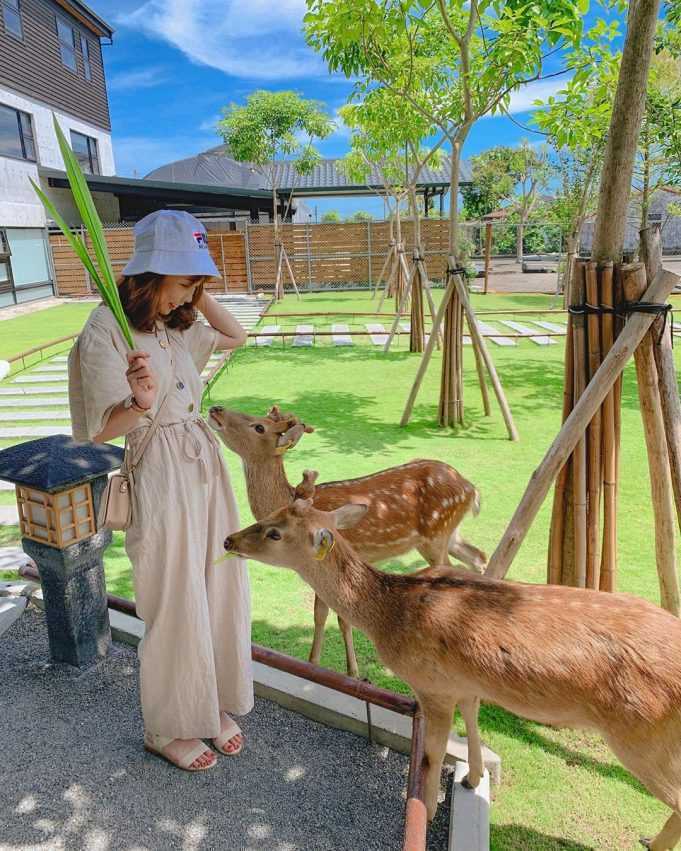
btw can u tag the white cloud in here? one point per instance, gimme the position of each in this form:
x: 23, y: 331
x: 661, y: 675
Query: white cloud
x: 523, y: 99
x: 142, y: 79
x: 243, y: 38
x: 208, y: 126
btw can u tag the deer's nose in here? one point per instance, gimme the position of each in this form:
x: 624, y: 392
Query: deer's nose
x: 229, y: 544
x: 216, y: 409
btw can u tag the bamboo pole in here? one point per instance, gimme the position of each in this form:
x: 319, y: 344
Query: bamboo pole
x: 579, y: 454
x: 594, y: 471
x: 651, y: 255
x: 479, y: 366
x: 383, y: 270
x: 488, y: 254
x: 634, y: 282
x: 425, y: 360
x: 608, y: 571
x: 290, y: 271
x: 574, y: 426
x: 478, y: 340
x: 558, y: 516
x: 416, y: 331
x: 400, y: 309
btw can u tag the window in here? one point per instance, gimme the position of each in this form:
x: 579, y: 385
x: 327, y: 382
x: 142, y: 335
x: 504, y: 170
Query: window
x: 85, y: 50
x: 85, y: 149
x: 12, y: 17
x: 16, y: 134
x: 67, y: 44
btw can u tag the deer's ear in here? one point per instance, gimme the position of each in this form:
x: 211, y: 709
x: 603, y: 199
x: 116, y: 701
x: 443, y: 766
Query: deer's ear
x: 323, y: 542
x: 349, y: 515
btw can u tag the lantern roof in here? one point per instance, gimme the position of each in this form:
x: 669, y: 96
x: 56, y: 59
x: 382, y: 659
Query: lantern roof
x: 54, y: 463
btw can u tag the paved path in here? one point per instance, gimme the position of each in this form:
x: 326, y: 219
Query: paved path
x: 303, y: 335
x: 76, y: 776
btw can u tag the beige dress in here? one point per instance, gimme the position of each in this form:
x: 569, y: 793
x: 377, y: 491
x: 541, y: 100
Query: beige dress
x: 195, y: 658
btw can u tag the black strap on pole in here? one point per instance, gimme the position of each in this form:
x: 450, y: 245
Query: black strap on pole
x: 626, y: 309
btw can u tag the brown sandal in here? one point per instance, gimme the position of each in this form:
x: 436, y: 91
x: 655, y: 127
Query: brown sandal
x: 178, y: 752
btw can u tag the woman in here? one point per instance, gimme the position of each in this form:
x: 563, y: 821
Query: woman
x: 195, y: 658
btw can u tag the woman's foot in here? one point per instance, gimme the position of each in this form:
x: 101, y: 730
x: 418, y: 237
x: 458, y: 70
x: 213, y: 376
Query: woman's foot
x: 187, y: 754
x: 231, y: 740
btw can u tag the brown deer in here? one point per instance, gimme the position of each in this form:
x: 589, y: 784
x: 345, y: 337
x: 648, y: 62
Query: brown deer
x: 556, y: 655
x: 414, y: 506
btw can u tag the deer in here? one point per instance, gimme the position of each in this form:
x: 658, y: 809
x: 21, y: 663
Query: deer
x: 418, y: 505
x: 567, y: 657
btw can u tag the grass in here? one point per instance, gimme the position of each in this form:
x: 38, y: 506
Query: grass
x: 560, y: 789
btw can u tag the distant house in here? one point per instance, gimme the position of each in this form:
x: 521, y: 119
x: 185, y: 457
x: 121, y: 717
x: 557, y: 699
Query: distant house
x: 659, y: 215
x: 50, y: 62
x: 215, y: 167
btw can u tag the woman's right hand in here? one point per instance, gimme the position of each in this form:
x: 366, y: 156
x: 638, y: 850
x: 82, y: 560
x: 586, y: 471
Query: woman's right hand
x: 141, y: 379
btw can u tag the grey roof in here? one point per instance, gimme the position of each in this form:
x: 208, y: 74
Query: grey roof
x: 216, y: 167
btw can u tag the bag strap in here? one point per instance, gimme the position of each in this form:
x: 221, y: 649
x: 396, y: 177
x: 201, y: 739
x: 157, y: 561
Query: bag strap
x: 147, y: 437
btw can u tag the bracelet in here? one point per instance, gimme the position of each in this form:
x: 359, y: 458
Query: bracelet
x: 135, y: 405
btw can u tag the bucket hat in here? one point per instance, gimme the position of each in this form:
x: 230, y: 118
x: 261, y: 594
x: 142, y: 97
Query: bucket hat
x: 171, y: 242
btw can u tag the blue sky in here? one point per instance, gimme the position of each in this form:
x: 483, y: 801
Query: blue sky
x: 174, y: 64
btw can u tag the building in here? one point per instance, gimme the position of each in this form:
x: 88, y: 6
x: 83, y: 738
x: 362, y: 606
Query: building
x: 215, y: 167
x: 50, y: 62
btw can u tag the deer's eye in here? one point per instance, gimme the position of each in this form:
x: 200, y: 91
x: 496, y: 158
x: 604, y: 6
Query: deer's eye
x: 260, y: 429
x: 273, y: 535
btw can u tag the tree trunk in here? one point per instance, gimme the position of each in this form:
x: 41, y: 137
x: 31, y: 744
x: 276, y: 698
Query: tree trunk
x: 519, y: 240
x: 625, y: 125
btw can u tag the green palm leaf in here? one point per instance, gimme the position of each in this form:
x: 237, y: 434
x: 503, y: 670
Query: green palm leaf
x: 103, y: 275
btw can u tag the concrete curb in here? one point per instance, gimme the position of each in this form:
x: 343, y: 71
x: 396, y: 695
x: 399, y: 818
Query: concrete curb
x: 469, y: 813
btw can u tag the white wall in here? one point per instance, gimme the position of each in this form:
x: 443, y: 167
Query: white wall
x: 19, y: 206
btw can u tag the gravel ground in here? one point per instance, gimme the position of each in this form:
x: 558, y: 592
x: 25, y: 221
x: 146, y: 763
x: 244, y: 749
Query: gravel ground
x: 73, y: 774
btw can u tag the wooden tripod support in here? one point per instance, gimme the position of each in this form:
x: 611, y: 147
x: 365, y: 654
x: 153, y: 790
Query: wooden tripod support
x: 398, y: 276
x: 416, y: 282
x: 454, y: 306
x: 282, y: 257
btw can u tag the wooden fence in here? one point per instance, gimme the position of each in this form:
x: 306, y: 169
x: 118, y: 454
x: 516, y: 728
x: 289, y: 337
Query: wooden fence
x: 227, y: 250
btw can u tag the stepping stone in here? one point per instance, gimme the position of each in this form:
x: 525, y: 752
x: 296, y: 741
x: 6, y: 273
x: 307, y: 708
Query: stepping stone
x: 33, y: 402
x: 31, y: 391
x: 406, y: 327
x: 467, y: 341
x: 33, y: 431
x: 340, y: 336
x: 267, y: 341
x: 9, y: 516
x: 377, y: 333
x: 36, y: 379
x: 551, y: 326
x: 528, y: 332
x: 6, y: 486
x: 493, y: 334
x: 16, y: 416
x: 60, y: 359
x: 49, y: 368
x: 11, y: 609
x: 304, y: 335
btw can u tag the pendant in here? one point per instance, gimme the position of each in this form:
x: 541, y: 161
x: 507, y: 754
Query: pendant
x: 163, y: 344
x: 180, y: 385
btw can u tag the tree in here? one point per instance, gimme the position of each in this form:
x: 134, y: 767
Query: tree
x: 513, y: 174
x: 331, y: 217
x: 453, y: 61
x: 361, y: 216
x: 271, y: 126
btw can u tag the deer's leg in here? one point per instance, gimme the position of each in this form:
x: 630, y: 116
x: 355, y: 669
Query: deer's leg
x: 438, y: 718
x: 463, y: 551
x: 469, y: 712
x: 321, y: 613
x: 668, y: 838
x: 350, y: 658
x: 434, y: 551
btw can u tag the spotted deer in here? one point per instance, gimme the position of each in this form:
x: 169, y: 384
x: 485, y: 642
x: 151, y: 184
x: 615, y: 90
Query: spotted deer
x: 418, y: 505
x: 562, y: 656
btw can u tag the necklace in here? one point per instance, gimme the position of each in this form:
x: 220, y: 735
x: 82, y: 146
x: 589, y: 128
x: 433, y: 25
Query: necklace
x: 164, y: 344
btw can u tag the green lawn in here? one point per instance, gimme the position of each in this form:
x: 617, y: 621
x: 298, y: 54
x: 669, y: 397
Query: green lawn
x: 560, y: 789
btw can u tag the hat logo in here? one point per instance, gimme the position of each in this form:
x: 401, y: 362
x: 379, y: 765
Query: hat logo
x: 200, y: 238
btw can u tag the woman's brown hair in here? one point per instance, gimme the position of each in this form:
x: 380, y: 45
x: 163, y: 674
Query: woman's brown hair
x: 140, y: 295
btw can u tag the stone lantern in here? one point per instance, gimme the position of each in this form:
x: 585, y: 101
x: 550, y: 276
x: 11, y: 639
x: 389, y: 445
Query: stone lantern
x: 59, y: 484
